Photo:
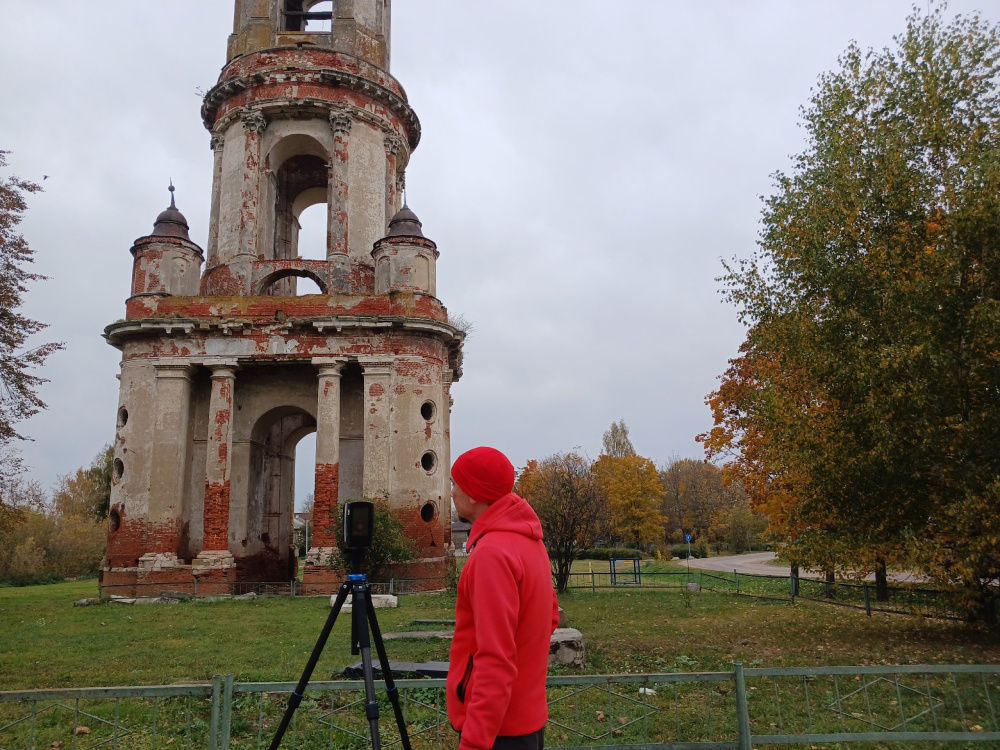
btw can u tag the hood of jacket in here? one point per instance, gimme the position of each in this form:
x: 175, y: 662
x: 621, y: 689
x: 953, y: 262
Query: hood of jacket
x: 510, y: 513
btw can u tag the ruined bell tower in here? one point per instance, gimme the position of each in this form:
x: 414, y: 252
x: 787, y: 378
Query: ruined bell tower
x: 225, y: 366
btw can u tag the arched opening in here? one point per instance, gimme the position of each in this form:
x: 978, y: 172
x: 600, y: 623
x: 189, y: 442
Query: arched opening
x: 320, y: 18
x: 269, y: 544
x: 305, y: 492
x: 292, y: 282
x: 303, y: 15
x: 301, y: 181
x: 312, y: 230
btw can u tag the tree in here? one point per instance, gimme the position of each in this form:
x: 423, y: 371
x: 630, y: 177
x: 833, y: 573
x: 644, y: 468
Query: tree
x: 632, y: 487
x: 695, y: 492
x: 570, y: 505
x: 863, y: 412
x: 616, y: 442
x: 101, y: 473
x: 18, y: 386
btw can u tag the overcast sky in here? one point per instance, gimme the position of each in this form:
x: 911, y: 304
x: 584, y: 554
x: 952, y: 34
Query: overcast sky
x: 585, y: 166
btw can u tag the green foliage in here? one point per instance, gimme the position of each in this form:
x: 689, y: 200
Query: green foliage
x: 390, y: 544
x: 100, y: 473
x: 697, y: 493
x: 17, y: 383
x: 52, y: 539
x: 606, y: 553
x: 863, y: 412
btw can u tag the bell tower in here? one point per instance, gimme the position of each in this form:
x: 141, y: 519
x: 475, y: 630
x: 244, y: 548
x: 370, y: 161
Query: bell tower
x: 226, y: 367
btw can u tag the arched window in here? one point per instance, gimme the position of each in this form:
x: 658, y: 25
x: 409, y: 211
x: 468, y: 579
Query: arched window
x: 312, y: 231
x: 320, y: 18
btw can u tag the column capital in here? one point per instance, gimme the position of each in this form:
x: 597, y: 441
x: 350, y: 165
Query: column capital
x: 329, y: 366
x: 181, y: 371
x: 254, y: 122
x: 218, y: 141
x: 392, y: 142
x: 375, y: 366
x: 223, y: 368
x: 341, y: 122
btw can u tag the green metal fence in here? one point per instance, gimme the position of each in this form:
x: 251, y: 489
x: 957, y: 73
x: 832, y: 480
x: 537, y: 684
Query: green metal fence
x: 902, y: 600
x: 740, y: 709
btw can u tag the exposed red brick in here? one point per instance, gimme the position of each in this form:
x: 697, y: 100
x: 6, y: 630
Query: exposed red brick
x: 325, y: 497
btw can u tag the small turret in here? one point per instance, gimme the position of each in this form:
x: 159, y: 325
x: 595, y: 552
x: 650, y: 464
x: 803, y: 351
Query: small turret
x: 167, y: 262
x: 405, y: 260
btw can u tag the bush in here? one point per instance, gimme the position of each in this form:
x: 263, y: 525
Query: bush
x: 606, y: 553
x: 390, y: 544
x: 679, y: 550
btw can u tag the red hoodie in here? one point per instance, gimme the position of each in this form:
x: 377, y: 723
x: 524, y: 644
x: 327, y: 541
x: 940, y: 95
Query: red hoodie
x: 504, y: 619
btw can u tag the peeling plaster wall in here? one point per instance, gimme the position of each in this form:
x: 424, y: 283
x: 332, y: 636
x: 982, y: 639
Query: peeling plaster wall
x: 231, y: 188
x: 366, y: 200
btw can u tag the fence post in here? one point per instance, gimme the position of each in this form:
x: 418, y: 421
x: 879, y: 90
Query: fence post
x: 392, y: 586
x: 227, y: 711
x: 868, y: 603
x: 194, y: 595
x: 742, y: 711
x: 593, y: 586
x: 736, y: 573
x: 213, y: 727
x: 291, y: 587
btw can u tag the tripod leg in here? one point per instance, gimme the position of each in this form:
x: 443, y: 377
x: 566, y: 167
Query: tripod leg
x: 360, y: 614
x: 296, y: 697
x: 390, y: 685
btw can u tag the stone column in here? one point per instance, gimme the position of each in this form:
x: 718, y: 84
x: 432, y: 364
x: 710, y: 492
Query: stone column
x: 218, y: 142
x: 378, y: 407
x: 327, y: 460
x: 254, y: 124
x: 169, y: 465
x: 218, y: 455
x: 337, y: 187
x: 393, y: 146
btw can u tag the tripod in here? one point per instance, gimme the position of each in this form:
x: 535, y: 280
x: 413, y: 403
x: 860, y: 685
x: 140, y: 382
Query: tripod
x: 363, y: 616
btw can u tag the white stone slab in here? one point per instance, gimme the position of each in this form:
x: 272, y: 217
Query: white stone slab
x: 381, y: 601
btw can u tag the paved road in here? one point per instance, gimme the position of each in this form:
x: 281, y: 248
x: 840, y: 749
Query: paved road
x: 759, y: 563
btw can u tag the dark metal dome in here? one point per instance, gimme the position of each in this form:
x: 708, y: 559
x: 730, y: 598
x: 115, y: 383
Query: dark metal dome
x: 405, y: 224
x: 171, y: 223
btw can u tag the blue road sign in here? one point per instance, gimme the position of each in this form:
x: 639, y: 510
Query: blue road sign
x: 688, y: 537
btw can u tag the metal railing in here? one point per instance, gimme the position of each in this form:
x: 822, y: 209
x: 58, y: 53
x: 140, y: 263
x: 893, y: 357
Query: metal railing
x: 740, y: 709
x: 904, y: 600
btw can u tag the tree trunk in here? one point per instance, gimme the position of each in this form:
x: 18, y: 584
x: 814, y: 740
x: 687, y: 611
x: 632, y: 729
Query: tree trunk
x: 829, y: 589
x: 881, y: 582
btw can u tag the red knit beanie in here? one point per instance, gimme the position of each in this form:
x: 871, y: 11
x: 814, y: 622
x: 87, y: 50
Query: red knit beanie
x: 484, y: 474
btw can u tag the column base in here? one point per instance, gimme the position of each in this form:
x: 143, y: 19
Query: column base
x: 320, y: 557
x: 213, y: 559
x: 156, y: 561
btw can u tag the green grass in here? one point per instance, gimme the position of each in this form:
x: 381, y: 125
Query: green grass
x: 49, y: 643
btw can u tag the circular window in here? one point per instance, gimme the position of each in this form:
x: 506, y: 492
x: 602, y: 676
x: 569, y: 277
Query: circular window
x: 427, y: 512
x: 122, y: 417
x: 119, y: 469
x: 428, y: 462
x: 428, y: 410
x: 114, y: 519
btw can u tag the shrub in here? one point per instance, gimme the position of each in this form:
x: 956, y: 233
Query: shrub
x: 390, y: 544
x: 606, y: 553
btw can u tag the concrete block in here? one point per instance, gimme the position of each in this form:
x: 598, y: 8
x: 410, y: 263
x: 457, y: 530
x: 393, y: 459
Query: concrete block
x: 694, y: 588
x: 566, y: 648
x: 381, y: 601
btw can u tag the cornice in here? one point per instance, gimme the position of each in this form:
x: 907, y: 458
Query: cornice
x: 330, y: 76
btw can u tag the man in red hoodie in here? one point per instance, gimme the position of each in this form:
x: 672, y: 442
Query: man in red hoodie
x: 505, y: 614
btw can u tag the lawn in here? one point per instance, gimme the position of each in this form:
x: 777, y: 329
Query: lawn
x: 49, y: 643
